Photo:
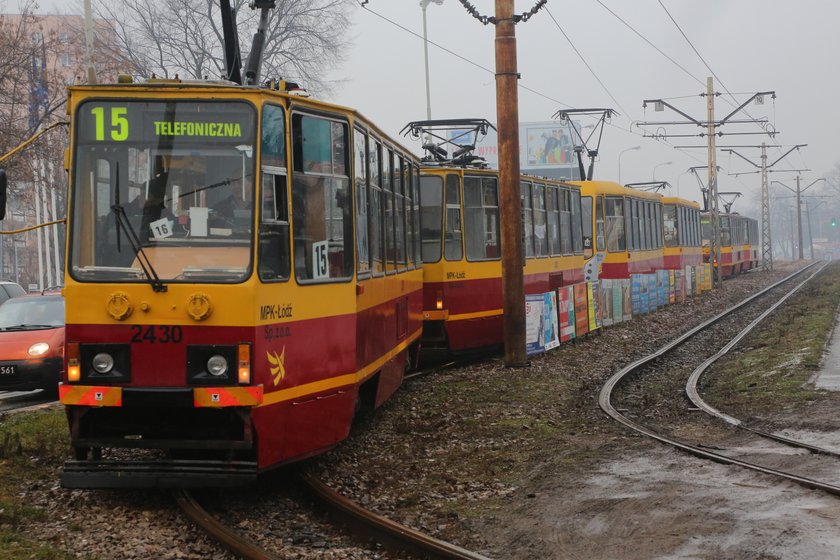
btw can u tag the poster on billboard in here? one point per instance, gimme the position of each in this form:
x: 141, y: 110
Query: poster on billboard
x: 566, y: 308
x: 581, y: 310
x: 626, y: 299
x: 672, y: 287
x: 546, y: 149
x: 533, y: 320
x: 541, y: 328
x: 594, y: 293
x: 550, y: 334
x: 606, y: 300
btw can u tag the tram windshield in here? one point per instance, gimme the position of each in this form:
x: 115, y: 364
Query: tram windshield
x: 163, y: 190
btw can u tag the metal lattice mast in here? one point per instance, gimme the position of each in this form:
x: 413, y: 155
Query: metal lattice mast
x: 766, y: 242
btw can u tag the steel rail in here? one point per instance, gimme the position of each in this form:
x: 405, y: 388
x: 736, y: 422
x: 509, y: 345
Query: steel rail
x: 604, y: 400
x: 15, y: 402
x: 234, y: 542
x: 401, y: 536
x: 694, y: 395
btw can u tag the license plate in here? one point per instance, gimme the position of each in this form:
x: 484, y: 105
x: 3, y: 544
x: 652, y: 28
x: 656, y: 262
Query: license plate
x: 7, y: 370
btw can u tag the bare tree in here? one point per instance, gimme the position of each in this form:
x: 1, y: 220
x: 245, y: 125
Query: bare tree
x: 305, y: 38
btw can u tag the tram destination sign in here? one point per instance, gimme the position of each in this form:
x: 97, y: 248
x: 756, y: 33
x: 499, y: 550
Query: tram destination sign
x: 114, y: 122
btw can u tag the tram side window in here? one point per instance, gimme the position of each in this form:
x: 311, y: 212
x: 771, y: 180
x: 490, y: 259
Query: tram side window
x: 360, y: 159
x: 527, y: 219
x: 566, y: 241
x: 616, y: 240
x: 399, y: 213
x: 725, y: 235
x: 552, y: 219
x: 628, y: 222
x: 657, y: 224
x: 274, y: 228
x: 636, y: 225
x: 321, y: 199
x: 481, y: 218
x: 453, y: 248
x: 431, y: 217
x: 669, y: 223
x: 388, y: 210
x: 644, y: 225
x: 577, y: 223
x: 698, y: 238
x: 415, y: 189
x: 376, y: 248
x: 410, y: 228
x: 600, y: 238
x: 586, y: 225
x: 651, y: 225
x: 274, y: 261
x: 540, y: 241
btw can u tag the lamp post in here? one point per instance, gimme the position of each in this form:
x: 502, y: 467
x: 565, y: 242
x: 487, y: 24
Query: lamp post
x: 423, y: 4
x: 679, y: 177
x: 619, y: 159
x: 660, y: 165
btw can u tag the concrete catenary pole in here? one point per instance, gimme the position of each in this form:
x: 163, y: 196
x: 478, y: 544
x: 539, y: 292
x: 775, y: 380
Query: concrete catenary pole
x: 714, y: 243
x: 801, y: 254
x: 507, y: 115
x: 91, y: 69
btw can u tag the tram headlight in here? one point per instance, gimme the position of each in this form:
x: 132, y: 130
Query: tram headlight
x: 103, y: 363
x: 217, y: 365
x: 38, y: 349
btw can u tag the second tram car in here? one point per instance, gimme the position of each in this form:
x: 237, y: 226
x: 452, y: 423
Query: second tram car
x: 462, y: 304
x: 623, y: 227
x: 681, y: 233
x: 738, y: 243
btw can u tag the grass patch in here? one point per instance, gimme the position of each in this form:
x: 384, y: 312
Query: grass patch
x: 32, y: 445
x: 775, y: 362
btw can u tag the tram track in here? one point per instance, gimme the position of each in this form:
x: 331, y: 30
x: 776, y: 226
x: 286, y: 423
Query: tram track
x: 13, y: 402
x: 705, y: 450
x: 364, y: 524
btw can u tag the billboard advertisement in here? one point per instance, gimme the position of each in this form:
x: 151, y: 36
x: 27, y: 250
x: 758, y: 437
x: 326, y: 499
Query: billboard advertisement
x: 546, y: 149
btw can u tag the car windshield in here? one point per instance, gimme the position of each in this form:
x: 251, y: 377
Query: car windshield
x: 163, y: 190
x: 24, y: 313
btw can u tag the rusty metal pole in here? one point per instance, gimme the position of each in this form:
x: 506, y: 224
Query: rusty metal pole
x: 507, y: 116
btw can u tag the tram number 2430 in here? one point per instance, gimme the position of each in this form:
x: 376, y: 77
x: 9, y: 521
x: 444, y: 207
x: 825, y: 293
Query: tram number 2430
x: 156, y: 334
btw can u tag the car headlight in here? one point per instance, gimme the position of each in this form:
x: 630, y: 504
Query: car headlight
x: 103, y: 362
x: 38, y: 349
x: 217, y: 365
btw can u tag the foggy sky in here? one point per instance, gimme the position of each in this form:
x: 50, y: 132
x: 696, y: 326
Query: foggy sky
x: 750, y: 45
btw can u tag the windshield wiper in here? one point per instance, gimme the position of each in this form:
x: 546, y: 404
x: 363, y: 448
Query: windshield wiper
x: 26, y: 327
x: 124, y: 224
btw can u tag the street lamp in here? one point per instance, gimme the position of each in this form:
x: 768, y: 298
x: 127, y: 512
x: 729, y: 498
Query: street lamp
x: 679, y: 177
x: 619, y: 159
x: 660, y: 165
x: 423, y: 4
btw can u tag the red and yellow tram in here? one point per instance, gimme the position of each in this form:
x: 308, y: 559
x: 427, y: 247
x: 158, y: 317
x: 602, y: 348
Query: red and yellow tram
x: 681, y: 233
x: 622, y: 227
x: 462, y: 270
x: 738, y: 242
x: 243, y: 273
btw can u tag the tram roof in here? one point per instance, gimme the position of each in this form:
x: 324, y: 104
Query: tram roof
x: 614, y: 189
x: 680, y: 201
x: 159, y: 87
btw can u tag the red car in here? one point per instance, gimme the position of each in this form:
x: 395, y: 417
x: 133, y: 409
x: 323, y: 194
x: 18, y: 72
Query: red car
x: 31, y: 342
